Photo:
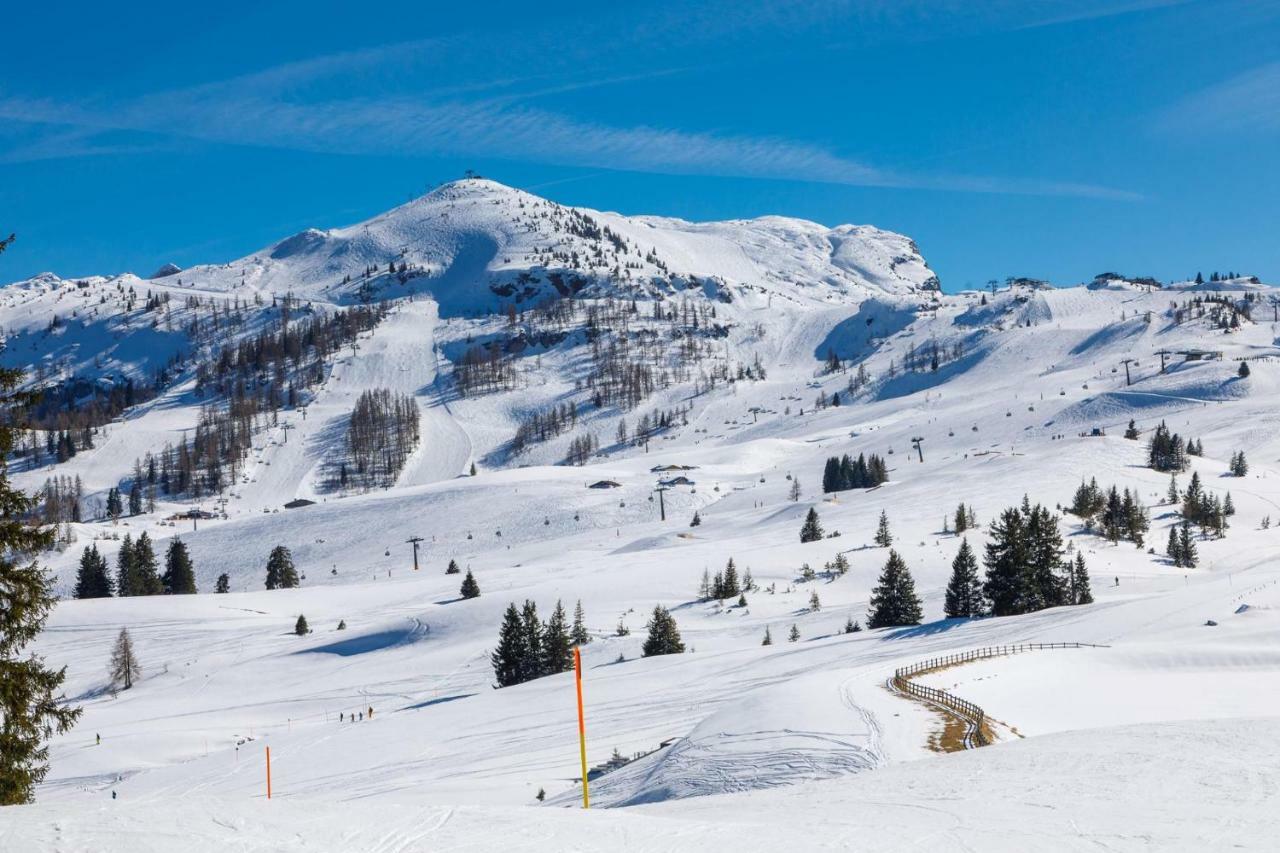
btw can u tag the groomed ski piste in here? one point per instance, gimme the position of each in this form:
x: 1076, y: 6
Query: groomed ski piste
x: 1162, y: 736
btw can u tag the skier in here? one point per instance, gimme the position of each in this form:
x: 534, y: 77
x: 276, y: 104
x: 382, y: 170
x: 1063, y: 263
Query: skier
x: 371, y: 712
x: 99, y: 739
x: 340, y: 717
x: 113, y: 794
x: 1117, y: 580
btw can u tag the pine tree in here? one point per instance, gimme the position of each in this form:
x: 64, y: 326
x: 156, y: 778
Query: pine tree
x: 768, y: 637
x: 1187, y: 547
x: 557, y: 646
x: 812, y: 529
x: 92, y: 581
x: 135, y: 498
x: 1243, y: 372
x: 223, y: 585
x: 706, y: 590
x: 1173, y: 496
x: 469, y: 589
x: 964, y: 590
x: 697, y: 520
x: 300, y: 627
x: 815, y: 603
x: 1080, y: 590
x: 1228, y: 505
x: 125, y: 668
x: 794, y: 635
x: 1174, y: 547
x: 1239, y: 467
x: 883, y: 537
x: 179, y: 575
x: 729, y: 584
x: 126, y: 583
x: 1131, y: 432
x: 281, y: 573
x: 453, y: 568
x: 145, y: 567
x: 578, y: 635
x: 893, y: 600
x: 961, y: 520
x: 664, y: 634
x: 748, y: 582
x: 531, y: 666
x: 30, y: 708
x: 114, y: 507
x: 508, y: 659
x: 1007, y: 585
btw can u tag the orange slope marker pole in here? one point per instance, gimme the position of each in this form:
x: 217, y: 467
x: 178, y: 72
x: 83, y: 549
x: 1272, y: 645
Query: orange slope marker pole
x: 268, y: 773
x: 582, y: 728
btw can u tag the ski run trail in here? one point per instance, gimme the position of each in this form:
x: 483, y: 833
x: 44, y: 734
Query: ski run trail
x: 1164, y: 737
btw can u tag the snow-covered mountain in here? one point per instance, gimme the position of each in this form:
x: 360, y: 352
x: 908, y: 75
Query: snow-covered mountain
x: 724, y: 364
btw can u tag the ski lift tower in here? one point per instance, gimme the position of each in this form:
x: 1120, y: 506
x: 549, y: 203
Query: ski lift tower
x: 662, y: 505
x: 915, y: 442
x: 414, y: 540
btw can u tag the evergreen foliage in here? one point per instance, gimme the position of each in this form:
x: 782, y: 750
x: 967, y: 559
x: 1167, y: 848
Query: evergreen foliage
x: 811, y: 531
x: 893, y: 600
x: 1024, y: 562
x: 883, y: 537
x: 964, y: 591
x: 1166, y: 451
x: 281, y: 573
x: 179, y: 574
x: 470, y: 588
x: 92, y: 580
x: 557, y: 645
x: 223, y: 584
x: 578, y: 635
x: 843, y: 473
x: 30, y: 708
x: 300, y: 627
x: 664, y: 635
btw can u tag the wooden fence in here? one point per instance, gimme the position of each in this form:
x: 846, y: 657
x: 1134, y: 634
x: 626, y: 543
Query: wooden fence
x: 973, y: 715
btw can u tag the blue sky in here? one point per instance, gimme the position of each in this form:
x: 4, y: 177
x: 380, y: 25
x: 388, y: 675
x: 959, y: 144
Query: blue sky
x: 1009, y: 137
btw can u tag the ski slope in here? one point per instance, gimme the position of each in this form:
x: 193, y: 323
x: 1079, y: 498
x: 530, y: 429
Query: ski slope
x: 1162, y: 739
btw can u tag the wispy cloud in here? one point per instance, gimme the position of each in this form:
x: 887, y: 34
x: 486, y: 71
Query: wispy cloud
x: 1249, y: 101
x: 372, y: 101
x: 497, y: 129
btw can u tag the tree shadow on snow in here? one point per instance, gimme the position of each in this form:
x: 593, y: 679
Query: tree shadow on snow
x: 927, y: 629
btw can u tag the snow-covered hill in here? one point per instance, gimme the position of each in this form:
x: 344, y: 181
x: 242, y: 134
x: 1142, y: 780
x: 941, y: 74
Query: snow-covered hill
x: 768, y: 345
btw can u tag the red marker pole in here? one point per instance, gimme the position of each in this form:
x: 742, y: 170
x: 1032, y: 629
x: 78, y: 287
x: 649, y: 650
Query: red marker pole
x: 582, y: 727
x: 268, y: 773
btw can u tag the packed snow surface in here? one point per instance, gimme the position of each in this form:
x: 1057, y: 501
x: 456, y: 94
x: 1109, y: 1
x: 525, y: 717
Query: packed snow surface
x: 1162, y: 737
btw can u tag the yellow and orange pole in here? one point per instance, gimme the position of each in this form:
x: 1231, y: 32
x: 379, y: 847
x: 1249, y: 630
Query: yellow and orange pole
x: 268, y: 773
x: 582, y: 728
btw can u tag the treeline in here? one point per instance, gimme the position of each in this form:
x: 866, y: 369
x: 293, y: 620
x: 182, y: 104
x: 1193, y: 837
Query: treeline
x: 581, y: 447
x: 59, y: 500
x: 544, y: 424
x: 725, y: 584
x: 844, y: 473
x: 292, y: 355
x: 136, y: 571
x: 1118, y: 515
x: 1026, y: 569
x: 76, y: 407
x: 383, y: 431
x: 529, y: 648
x: 484, y: 369
x: 1166, y: 451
